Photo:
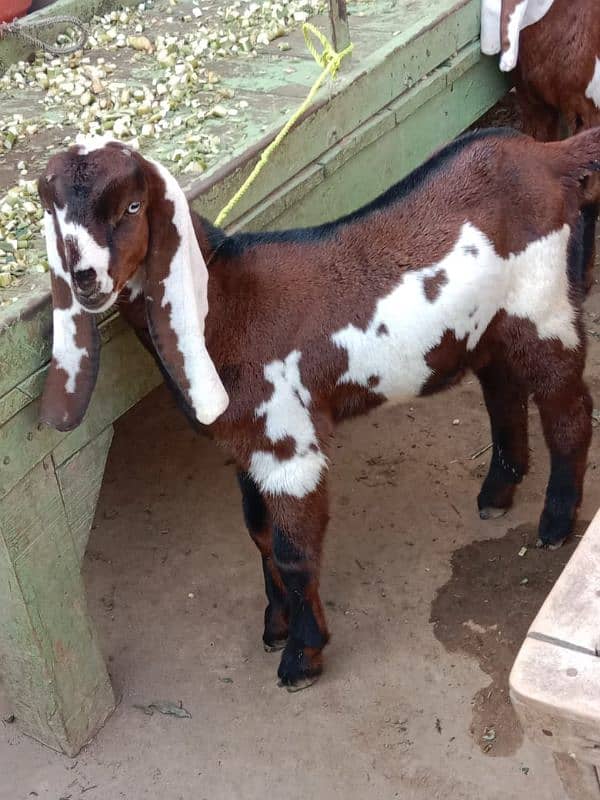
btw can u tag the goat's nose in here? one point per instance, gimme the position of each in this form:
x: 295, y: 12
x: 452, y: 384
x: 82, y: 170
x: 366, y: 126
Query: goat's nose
x: 72, y: 253
x: 85, y: 281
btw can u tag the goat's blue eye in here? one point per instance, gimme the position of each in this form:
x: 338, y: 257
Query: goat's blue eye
x: 133, y: 208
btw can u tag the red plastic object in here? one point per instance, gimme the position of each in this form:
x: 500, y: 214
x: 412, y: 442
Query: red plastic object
x: 9, y: 9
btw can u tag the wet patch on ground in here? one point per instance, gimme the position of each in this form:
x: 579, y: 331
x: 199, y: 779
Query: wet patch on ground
x: 485, y: 609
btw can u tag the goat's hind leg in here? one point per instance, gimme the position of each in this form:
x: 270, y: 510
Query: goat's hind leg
x: 567, y: 422
x: 258, y: 522
x: 506, y: 402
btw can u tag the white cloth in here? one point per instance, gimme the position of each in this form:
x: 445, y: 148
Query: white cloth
x: 526, y: 12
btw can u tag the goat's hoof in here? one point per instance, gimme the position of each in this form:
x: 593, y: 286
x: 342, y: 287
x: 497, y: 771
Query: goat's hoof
x: 491, y: 512
x: 300, y: 685
x: 299, y: 666
x: 550, y: 545
x: 275, y: 646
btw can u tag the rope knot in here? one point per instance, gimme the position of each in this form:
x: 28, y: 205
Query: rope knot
x: 328, y: 59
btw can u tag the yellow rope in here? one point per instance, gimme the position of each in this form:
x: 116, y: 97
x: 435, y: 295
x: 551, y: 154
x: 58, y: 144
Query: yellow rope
x: 329, y: 60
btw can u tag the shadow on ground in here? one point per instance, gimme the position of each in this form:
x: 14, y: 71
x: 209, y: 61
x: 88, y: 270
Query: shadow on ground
x: 485, y: 609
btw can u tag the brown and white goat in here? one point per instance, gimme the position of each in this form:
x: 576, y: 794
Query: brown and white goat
x: 474, y: 261
x: 554, y: 48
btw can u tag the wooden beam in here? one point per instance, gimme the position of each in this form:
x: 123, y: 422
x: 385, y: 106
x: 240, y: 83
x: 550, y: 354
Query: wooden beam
x: 50, y: 661
x: 340, y: 30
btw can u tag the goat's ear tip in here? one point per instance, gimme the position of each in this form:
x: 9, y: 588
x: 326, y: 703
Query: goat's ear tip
x: 211, y: 413
x: 54, y: 415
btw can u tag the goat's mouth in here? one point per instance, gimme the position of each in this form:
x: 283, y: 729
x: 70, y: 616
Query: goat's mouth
x: 96, y: 303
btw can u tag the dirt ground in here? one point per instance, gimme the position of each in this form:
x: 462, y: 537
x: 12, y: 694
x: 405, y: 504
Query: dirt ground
x: 426, y: 602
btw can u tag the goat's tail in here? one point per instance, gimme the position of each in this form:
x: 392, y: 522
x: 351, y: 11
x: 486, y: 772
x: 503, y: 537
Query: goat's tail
x: 579, y: 157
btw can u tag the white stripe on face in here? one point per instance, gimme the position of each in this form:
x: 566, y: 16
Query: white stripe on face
x: 65, y: 351
x: 593, y: 88
x: 91, y: 254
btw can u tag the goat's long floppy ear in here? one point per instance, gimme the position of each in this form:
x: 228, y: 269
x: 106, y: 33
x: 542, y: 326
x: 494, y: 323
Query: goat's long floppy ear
x: 176, y: 291
x: 75, y: 346
x: 512, y: 17
x: 501, y: 23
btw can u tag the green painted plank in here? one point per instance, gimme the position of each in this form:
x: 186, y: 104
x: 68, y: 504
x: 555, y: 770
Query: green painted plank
x: 401, y: 149
x: 387, y: 146
x: 80, y: 478
x: 50, y: 662
x: 377, y: 79
x: 124, y: 364
x: 25, y: 344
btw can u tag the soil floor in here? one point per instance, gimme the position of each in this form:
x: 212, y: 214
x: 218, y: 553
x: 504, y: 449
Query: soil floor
x: 427, y: 605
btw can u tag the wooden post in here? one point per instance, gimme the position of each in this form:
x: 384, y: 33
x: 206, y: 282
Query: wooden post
x: 50, y: 661
x: 339, y: 24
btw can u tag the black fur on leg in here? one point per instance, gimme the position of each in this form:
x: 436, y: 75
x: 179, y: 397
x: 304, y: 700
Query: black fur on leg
x: 258, y: 523
x: 301, y: 659
x: 562, y: 501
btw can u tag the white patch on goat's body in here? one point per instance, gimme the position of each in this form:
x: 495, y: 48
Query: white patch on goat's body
x: 525, y: 13
x: 186, y: 291
x: 406, y: 325
x: 91, y: 254
x: 287, y: 414
x: 65, y: 351
x: 593, y: 88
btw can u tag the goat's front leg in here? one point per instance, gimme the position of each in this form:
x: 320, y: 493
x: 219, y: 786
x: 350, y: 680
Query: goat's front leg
x: 506, y: 402
x: 258, y: 522
x: 539, y: 119
x: 298, y: 531
x: 567, y: 423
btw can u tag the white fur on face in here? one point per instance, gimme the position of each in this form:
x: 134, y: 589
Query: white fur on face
x: 287, y: 413
x: 186, y: 290
x: 65, y: 351
x: 527, y: 12
x: 593, y: 88
x: 92, y: 255
x: 406, y: 325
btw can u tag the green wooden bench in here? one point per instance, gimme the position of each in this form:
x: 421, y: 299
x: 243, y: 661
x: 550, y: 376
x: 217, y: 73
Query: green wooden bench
x: 416, y: 80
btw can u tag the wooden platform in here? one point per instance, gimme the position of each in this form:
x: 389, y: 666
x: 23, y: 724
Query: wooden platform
x: 416, y: 80
x: 555, y: 681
